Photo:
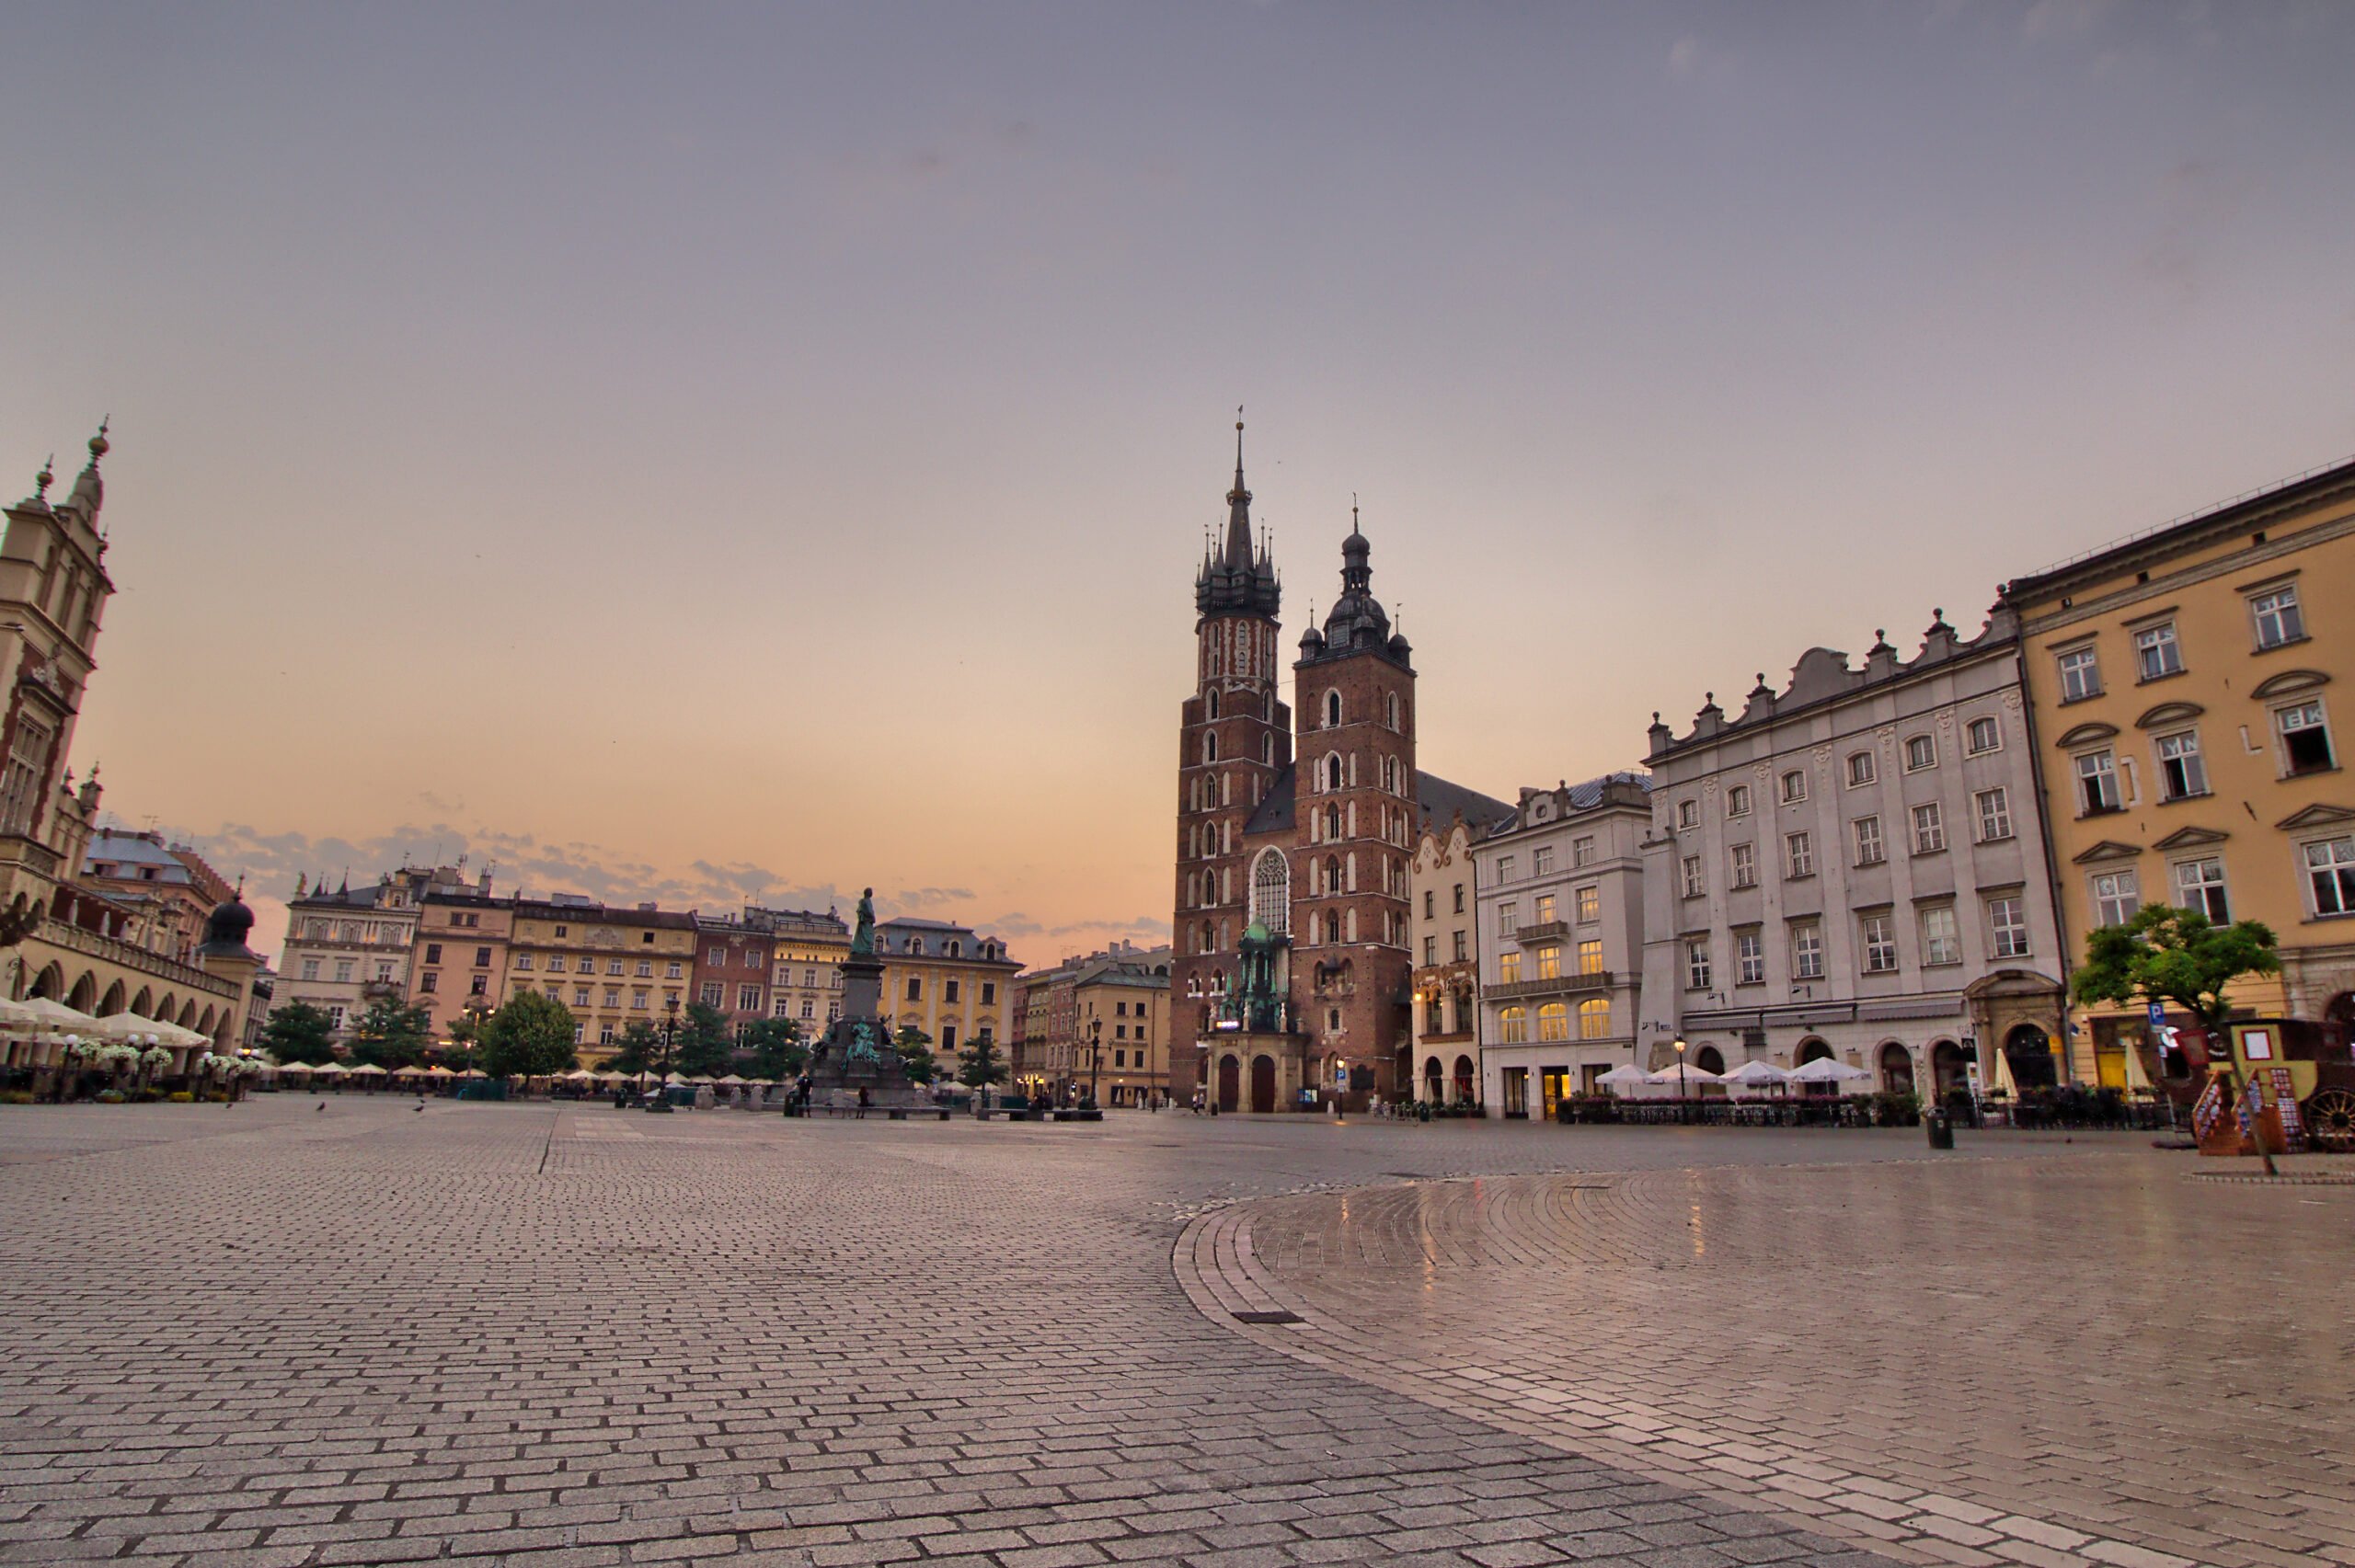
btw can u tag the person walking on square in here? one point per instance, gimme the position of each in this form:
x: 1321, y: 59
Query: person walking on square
x: 862, y: 1102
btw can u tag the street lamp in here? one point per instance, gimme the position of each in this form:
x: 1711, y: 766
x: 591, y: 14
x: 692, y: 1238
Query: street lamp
x: 1683, y: 1108
x: 670, y: 1030
x: 1094, y: 1051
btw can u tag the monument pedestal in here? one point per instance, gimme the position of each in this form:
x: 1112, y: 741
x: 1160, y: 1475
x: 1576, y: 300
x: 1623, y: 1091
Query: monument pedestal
x: 856, y: 1051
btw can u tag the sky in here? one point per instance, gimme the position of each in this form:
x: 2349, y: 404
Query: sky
x: 715, y: 452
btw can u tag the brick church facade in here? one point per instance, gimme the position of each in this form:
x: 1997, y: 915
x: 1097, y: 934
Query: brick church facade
x: 1296, y: 830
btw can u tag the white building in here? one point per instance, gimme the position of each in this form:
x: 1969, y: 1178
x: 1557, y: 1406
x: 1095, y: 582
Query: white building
x: 1444, y: 932
x: 347, y: 948
x: 1561, y: 940
x: 1854, y: 866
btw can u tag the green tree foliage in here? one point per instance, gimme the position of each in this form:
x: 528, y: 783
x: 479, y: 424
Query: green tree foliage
x: 298, y: 1032
x: 529, y: 1037
x: 392, y: 1035
x: 915, y: 1054
x: 980, y: 1064
x: 639, y: 1050
x: 2164, y: 954
x: 775, y: 1047
x: 705, y: 1046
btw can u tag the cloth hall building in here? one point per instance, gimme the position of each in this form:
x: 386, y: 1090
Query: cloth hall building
x: 1297, y: 826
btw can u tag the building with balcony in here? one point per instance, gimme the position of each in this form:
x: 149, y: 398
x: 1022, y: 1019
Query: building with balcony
x: 947, y: 980
x: 806, y: 951
x: 1559, y: 922
x: 1446, y: 977
x: 609, y: 968
x: 349, y: 947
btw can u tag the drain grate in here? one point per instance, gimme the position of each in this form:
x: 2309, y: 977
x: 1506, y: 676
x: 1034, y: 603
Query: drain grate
x: 1408, y: 1175
x: 1275, y: 1317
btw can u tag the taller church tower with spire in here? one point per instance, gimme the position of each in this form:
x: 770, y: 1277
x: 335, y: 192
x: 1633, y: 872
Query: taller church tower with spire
x: 1292, y: 967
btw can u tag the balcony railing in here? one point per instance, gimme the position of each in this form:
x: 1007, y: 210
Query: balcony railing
x: 1541, y: 932
x: 1561, y: 985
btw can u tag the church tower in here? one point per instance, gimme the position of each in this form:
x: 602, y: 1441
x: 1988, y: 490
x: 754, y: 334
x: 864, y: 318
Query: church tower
x: 1233, y: 739
x: 1354, y: 684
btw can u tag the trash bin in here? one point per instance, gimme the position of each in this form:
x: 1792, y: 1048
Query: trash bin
x: 1422, y: 1110
x: 1941, y: 1130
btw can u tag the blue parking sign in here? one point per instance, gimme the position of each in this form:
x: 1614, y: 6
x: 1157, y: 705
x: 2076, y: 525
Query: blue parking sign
x: 2158, y: 1015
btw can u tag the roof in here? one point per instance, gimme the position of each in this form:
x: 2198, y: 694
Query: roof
x: 1438, y: 799
x: 1630, y: 787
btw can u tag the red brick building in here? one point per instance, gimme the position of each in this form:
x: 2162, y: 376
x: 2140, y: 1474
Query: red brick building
x: 731, y: 969
x: 1296, y: 828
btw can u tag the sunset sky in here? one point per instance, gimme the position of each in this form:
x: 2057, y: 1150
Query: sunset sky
x: 718, y: 453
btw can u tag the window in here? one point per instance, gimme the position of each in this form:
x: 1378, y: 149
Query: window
x: 1941, y: 936
x: 638, y: 997
x: 1554, y: 1020
x: 433, y: 953
x: 562, y: 932
x: 1594, y: 1019
x: 1513, y: 1025
x: 343, y: 968
x: 2080, y: 675
x: 748, y: 999
x: 523, y: 961
x: 1431, y: 951
x: 915, y: 988
x: 430, y: 983
x: 1860, y: 769
x: 2009, y: 928
x: 1921, y: 751
x: 1929, y: 830
x: 1696, y: 965
x: 1581, y: 852
x: 1799, y: 853
x: 2156, y: 653
x: 1590, y: 905
x: 2199, y: 884
x: 1794, y: 788
x: 2278, y: 619
x: 988, y: 994
x: 1541, y: 861
x: 1544, y: 908
x: 1431, y: 904
x: 949, y: 990
x: 1688, y: 814
x: 580, y: 996
x: 670, y: 972
x: 809, y: 1006
x: 480, y: 986
x: 1508, y: 917
x: 20, y: 786
x: 1506, y: 868
x: 1332, y: 710
x: 2182, y: 774
x: 645, y: 970
x: 613, y: 996
x: 1271, y: 892
x: 1750, y: 959
x: 1985, y: 734
x: 1807, y: 951
x: 1459, y: 947
x: 612, y: 965
x: 2306, y: 738
x: 1867, y: 831
x: 1994, y: 815
x: 1694, y: 885
x: 2115, y: 897
x: 1880, y: 945
x: 1590, y: 956
x: 1459, y: 897
x: 2097, y: 783
x: 1738, y: 801
x: 2331, y: 871
x: 717, y: 957
x: 555, y: 963
x: 1745, y: 865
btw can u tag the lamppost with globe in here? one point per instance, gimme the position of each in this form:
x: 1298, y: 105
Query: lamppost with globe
x: 1684, y: 1106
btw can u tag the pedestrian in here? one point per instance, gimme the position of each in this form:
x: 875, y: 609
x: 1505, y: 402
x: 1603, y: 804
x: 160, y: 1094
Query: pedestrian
x: 862, y: 1103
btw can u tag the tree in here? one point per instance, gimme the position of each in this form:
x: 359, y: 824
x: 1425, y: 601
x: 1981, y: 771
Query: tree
x: 457, y: 1053
x: 639, y: 1049
x: 776, y: 1048
x: 978, y: 1065
x: 2164, y: 954
x: 298, y: 1033
x: 392, y: 1035
x: 704, y: 1046
x: 915, y: 1054
x: 530, y: 1036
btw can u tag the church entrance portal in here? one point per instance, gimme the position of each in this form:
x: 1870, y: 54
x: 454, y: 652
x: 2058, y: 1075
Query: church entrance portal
x: 1226, y: 1085
x: 1263, y: 1083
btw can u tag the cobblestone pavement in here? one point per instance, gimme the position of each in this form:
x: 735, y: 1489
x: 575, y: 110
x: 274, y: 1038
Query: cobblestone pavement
x: 279, y: 1334
x: 2037, y: 1360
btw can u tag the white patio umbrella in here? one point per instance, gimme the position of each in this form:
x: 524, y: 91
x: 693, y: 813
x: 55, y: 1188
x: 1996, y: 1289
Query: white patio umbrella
x: 1758, y: 1075
x: 43, y: 1012
x: 577, y: 1075
x: 126, y: 1026
x: 330, y: 1070
x: 368, y: 1069
x: 1682, y: 1074
x: 1828, y: 1070
x: 1626, y: 1075
x: 729, y: 1079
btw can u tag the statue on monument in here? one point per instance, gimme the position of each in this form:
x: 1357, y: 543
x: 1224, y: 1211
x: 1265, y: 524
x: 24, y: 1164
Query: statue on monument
x: 862, y: 942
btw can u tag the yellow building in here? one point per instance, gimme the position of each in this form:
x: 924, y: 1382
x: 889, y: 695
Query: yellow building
x: 1120, y: 1004
x: 608, y: 966
x: 948, y: 982
x: 807, y: 950
x: 2182, y: 690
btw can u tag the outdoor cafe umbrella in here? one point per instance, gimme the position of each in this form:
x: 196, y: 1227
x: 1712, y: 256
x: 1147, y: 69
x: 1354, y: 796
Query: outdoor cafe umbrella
x: 729, y: 1078
x: 368, y: 1069
x: 1626, y: 1075
x: 1684, y: 1074
x: 1827, y: 1069
x: 43, y: 1012
x: 1758, y: 1075
x: 332, y: 1069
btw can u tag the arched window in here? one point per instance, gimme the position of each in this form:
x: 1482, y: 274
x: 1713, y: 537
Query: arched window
x: 1332, y: 821
x: 1332, y: 926
x: 1594, y: 1019
x: 956, y: 948
x: 1332, y: 874
x: 1392, y: 707
x: 1213, y: 704
x: 1332, y: 710
x: 1268, y: 749
x: 1205, y: 943
x: 1390, y: 774
x: 916, y: 945
x: 1271, y: 892
x: 1554, y: 1020
x: 1209, y: 748
x: 1513, y: 1025
x: 1332, y: 770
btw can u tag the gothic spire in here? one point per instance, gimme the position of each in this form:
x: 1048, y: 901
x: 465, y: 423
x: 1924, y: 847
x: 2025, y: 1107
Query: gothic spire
x: 1238, y: 506
x: 1233, y: 578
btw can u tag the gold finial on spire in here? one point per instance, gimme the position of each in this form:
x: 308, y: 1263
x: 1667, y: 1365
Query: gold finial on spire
x: 42, y: 480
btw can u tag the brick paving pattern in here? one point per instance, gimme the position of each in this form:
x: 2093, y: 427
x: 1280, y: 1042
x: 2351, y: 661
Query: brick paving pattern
x: 276, y: 1335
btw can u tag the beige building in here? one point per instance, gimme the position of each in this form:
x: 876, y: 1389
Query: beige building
x: 1560, y: 906
x: 351, y: 947
x: 67, y: 937
x: 458, y: 956
x: 1120, y: 1004
x: 2184, y: 703
x: 807, y: 950
x: 948, y: 982
x: 609, y: 968
x: 1445, y: 938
